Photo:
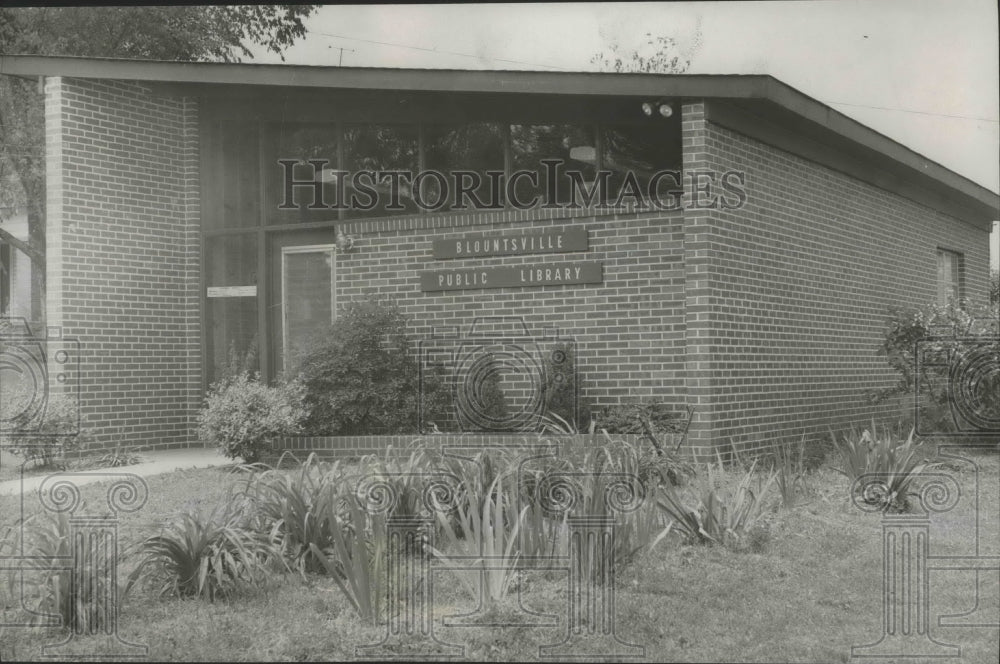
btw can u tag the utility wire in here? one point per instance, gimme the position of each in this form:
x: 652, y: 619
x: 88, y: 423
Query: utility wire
x: 434, y: 50
x: 909, y: 110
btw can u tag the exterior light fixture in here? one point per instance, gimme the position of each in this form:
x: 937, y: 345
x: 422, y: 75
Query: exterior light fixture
x: 650, y: 108
x: 344, y: 242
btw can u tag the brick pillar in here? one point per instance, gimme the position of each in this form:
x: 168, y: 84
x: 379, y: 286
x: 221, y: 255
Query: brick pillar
x: 123, y: 257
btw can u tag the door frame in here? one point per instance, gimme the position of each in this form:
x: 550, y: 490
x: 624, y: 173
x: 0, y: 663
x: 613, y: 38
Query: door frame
x: 279, y: 245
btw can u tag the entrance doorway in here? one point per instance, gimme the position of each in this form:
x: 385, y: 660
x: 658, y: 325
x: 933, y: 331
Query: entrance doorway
x: 303, y: 299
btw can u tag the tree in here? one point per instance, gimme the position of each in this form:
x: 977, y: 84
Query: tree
x: 995, y: 287
x: 153, y: 33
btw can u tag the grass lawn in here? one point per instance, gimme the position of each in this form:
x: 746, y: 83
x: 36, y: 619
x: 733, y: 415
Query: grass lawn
x: 812, y: 593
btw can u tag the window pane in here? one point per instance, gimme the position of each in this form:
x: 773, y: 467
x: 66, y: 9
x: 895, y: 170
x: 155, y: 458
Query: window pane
x: 948, y: 276
x: 231, y: 304
x: 643, y: 150
x: 231, y: 260
x: 307, y: 299
x: 231, y: 336
x: 315, y: 198
x: 474, y: 147
x: 530, y: 144
x: 379, y: 148
x: 232, y: 177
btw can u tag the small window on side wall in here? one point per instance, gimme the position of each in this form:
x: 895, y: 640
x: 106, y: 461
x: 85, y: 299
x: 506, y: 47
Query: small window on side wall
x: 949, y: 277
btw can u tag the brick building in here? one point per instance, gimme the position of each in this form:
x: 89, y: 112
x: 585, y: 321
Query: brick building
x: 195, y: 208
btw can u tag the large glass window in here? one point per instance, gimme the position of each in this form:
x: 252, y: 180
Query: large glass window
x: 372, y: 153
x: 232, y: 177
x: 639, y: 151
x: 567, y: 149
x: 302, y: 180
x: 463, y: 155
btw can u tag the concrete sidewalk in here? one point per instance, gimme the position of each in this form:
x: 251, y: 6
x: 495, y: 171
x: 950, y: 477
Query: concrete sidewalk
x: 152, y: 463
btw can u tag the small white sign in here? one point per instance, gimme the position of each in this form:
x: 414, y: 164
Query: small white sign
x: 232, y: 291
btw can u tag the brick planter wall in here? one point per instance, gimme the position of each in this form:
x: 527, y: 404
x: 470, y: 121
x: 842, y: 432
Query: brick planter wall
x: 348, y: 447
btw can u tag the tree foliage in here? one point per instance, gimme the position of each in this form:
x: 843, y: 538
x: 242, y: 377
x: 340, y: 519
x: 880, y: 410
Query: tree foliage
x: 212, y: 32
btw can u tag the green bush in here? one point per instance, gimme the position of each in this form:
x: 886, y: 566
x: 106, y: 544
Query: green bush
x: 362, y: 377
x: 245, y: 417
x: 941, y: 332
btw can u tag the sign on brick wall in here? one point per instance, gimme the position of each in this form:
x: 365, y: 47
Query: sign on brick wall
x: 512, y: 244
x: 540, y: 274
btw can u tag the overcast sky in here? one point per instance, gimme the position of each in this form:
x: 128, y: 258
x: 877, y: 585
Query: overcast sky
x: 923, y: 72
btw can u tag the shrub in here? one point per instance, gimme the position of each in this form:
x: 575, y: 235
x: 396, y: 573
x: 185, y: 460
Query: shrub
x: 730, y: 517
x: 942, y: 333
x: 299, y: 507
x: 896, y: 462
x: 244, y: 417
x: 362, y: 377
x: 58, y: 431
x: 629, y: 418
x: 205, y: 556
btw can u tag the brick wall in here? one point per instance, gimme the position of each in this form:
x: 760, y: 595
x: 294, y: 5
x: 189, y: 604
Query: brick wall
x: 628, y: 331
x: 787, y: 298
x: 122, y: 231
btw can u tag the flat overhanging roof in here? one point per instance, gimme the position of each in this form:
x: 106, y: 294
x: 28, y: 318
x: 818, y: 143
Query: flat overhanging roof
x: 762, y: 89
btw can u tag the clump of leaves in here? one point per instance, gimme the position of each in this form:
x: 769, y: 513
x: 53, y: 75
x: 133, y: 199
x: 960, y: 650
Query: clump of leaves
x: 729, y: 517
x: 206, y: 556
x: 299, y: 507
x: 357, y: 561
x: 894, y: 462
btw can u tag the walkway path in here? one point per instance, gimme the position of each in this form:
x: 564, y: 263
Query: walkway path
x: 153, y: 463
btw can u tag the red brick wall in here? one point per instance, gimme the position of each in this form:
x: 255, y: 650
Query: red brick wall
x: 787, y: 298
x: 122, y: 230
